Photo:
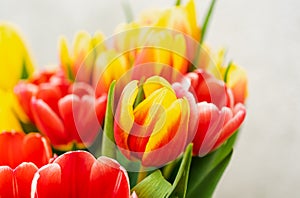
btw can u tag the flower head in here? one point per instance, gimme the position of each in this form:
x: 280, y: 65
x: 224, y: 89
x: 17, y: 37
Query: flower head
x: 154, y: 131
x: 67, y: 113
x: 79, y: 174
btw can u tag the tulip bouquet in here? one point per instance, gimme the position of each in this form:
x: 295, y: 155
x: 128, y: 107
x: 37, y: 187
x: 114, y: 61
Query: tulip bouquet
x: 148, y: 112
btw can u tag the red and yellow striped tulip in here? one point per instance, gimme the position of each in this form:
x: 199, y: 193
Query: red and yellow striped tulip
x: 156, y: 130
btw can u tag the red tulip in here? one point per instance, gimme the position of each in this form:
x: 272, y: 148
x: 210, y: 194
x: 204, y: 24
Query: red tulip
x: 15, y: 183
x: 16, y: 148
x: 79, y: 174
x: 218, y: 117
x: 66, y: 113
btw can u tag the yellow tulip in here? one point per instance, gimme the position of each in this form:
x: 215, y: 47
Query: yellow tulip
x: 179, y: 18
x: 15, y: 62
x: 83, y: 53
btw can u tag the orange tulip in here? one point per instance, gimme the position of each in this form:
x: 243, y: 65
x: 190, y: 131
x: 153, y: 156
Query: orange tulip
x: 156, y: 130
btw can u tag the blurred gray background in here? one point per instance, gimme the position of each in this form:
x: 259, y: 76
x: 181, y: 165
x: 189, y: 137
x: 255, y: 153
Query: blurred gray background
x: 262, y: 36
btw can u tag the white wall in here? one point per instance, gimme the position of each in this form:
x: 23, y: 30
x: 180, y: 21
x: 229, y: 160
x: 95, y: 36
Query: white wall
x: 263, y: 36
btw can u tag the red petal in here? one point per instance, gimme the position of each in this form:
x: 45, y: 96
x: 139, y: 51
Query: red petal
x: 7, y: 188
x: 75, y: 171
x: 24, y: 93
x: 47, y: 182
x: 209, y: 126
x: 36, y: 149
x: 48, y: 122
x: 11, y: 149
x: 68, y: 109
x: 24, y: 174
x: 50, y: 95
x: 108, y: 179
x: 232, y: 125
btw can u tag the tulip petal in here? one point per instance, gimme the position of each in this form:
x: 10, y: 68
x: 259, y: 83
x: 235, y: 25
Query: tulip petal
x: 24, y: 174
x: 168, y: 140
x: 239, y: 114
x: 124, y: 117
x: 108, y: 179
x: 36, y: 149
x: 47, y: 182
x: 10, y: 149
x: 208, y: 129
x: 75, y: 171
x: 48, y: 122
x: 154, y: 83
x: 7, y: 186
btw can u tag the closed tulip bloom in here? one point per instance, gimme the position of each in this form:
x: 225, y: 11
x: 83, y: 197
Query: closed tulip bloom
x: 16, y: 148
x: 79, y: 174
x: 15, y: 62
x: 218, y: 117
x: 156, y: 130
x: 16, y: 182
x: 67, y: 113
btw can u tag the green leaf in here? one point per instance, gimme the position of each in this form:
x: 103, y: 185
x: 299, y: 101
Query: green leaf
x: 108, y: 141
x: 208, y: 185
x: 208, y: 167
x: 28, y: 127
x: 179, y: 186
x: 24, y: 73
x: 227, y: 71
x: 70, y: 74
x: 154, y: 185
x: 206, y: 20
x: 127, y: 11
